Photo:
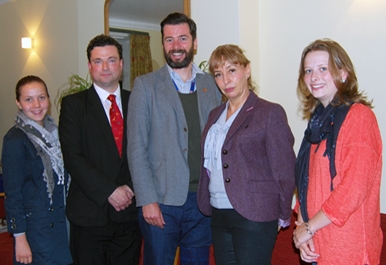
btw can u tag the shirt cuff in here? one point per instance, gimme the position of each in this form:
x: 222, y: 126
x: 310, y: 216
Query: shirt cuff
x: 284, y: 223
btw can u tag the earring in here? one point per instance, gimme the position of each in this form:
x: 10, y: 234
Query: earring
x: 343, y: 80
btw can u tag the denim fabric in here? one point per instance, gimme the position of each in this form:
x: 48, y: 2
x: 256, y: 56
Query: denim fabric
x: 237, y: 240
x: 184, y: 226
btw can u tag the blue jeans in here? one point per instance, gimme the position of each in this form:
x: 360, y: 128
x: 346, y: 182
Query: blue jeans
x: 237, y: 240
x: 185, y: 227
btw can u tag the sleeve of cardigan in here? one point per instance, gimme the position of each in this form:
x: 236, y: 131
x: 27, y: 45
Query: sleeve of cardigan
x: 358, y: 164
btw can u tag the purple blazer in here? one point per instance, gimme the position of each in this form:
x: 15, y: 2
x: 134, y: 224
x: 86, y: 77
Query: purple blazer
x: 258, y: 162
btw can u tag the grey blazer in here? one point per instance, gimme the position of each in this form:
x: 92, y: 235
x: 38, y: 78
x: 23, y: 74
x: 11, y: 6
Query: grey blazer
x: 258, y: 162
x: 157, y: 134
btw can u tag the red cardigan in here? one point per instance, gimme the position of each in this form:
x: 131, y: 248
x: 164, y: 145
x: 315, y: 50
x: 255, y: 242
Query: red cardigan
x: 355, y: 235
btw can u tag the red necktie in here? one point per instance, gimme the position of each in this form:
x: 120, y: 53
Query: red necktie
x: 116, y: 123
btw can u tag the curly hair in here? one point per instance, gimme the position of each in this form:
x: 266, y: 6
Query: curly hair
x: 338, y: 61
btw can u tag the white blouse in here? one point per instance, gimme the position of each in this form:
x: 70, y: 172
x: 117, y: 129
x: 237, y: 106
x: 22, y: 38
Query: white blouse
x: 212, y: 159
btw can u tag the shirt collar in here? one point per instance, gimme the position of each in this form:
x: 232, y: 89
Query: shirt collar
x: 103, y: 94
x: 175, y: 76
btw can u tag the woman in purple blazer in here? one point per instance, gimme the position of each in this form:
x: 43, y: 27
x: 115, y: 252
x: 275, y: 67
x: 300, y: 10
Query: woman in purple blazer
x: 247, y: 175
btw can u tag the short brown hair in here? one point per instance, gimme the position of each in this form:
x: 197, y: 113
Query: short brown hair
x: 229, y: 53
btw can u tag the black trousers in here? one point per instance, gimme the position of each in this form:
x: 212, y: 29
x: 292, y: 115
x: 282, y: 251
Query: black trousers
x: 112, y: 244
x: 237, y: 240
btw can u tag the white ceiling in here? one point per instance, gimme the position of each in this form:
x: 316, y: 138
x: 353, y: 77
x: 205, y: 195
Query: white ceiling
x: 146, y: 14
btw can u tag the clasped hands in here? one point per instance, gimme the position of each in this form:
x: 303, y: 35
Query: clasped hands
x: 304, y: 242
x: 121, y: 198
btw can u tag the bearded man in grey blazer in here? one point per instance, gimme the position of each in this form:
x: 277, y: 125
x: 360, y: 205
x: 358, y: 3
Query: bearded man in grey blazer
x: 167, y: 112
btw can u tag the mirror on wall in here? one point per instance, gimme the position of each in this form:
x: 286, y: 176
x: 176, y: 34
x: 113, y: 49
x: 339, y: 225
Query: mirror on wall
x: 123, y: 17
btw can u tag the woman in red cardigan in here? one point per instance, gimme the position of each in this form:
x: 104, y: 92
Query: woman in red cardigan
x: 338, y: 169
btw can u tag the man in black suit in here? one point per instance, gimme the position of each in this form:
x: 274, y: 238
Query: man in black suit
x: 100, y: 204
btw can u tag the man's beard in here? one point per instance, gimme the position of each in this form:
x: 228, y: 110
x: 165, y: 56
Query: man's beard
x: 180, y: 64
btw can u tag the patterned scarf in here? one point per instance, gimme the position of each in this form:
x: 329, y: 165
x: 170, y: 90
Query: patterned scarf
x: 46, y: 141
x: 324, y: 124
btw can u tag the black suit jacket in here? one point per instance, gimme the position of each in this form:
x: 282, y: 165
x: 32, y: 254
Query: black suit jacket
x: 91, y: 157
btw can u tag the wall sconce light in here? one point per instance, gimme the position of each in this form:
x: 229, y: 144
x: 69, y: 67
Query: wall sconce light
x: 26, y: 43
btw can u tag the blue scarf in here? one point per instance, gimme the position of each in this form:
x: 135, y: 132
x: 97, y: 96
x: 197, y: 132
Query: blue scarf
x: 324, y: 124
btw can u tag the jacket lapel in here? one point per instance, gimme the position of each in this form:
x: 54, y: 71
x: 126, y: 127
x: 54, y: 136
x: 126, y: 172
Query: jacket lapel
x: 125, y: 100
x: 168, y: 90
x: 97, y: 111
x: 246, y: 110
x: 203, y: 100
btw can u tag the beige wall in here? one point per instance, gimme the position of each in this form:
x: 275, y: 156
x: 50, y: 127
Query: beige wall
x: 286, y: 28
x: 61, y: 31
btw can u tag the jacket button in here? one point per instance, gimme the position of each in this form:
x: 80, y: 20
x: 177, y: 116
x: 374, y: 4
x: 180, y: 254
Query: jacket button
x: 225, y: 165
x: 185, y: 129
x: 13, y: 220
x: 227, y: 180
x: 51, y: 209
x: 13, y: 226
x: 52, y: 224
x: 224, y: 152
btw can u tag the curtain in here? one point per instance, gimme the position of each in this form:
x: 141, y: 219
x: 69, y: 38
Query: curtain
x: 141, y: 62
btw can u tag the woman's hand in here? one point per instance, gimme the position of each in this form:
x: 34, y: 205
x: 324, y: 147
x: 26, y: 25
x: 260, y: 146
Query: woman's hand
x: 22, y: 250
x: 307, y: 251
x: 304, y: 242
x: 300, y: 234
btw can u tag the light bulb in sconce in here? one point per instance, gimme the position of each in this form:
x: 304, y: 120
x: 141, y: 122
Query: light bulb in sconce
x: 26, y: 43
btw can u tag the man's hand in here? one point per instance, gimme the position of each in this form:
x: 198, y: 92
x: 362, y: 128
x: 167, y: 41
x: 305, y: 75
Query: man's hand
x: 153, y: 215
x: 121, y: 198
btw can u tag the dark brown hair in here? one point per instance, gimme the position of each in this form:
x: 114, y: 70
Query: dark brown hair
x: 26, y: 80
x: 101, y: 41
x: 179, y: 18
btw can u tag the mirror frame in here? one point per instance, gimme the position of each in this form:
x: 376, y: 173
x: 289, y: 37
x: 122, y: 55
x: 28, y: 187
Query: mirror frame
x: 107, y: 8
